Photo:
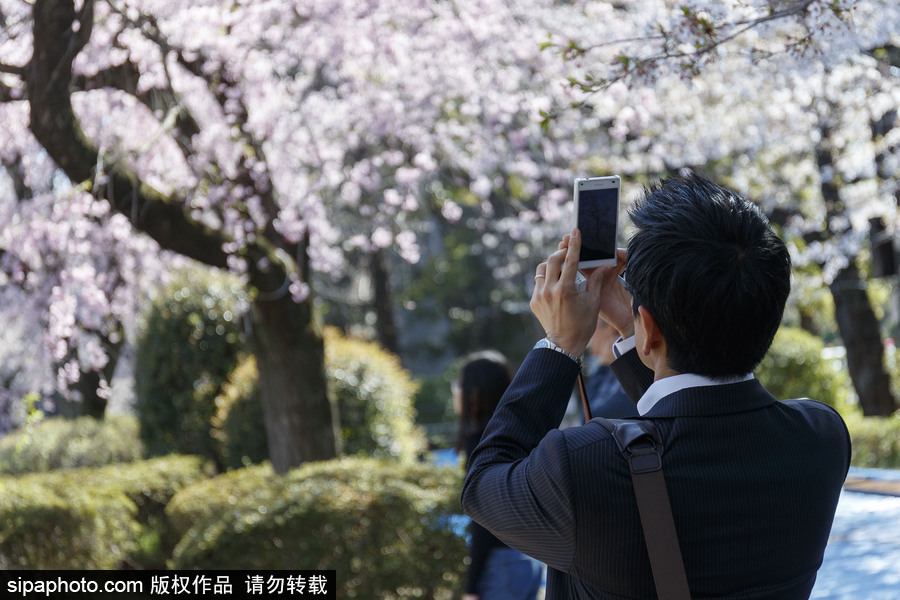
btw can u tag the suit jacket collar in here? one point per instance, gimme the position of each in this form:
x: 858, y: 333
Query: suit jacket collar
x: 713, y: 400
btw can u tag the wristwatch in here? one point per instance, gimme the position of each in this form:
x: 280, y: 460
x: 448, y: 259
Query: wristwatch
x: 545, y: 343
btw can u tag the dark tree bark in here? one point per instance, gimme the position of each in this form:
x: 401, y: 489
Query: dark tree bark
x: 290, y: 355
x: 288, y: 341
x: 383, y: 303
x: 856, y: 319
x: 90, y: 403
x: 862, y: 339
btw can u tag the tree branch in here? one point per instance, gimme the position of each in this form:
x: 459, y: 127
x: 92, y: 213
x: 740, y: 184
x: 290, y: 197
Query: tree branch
x: 709, y: 40
x: 221, y: 84
x: 125, y: 78
x: 12, y: 70
x: 9, y: 93
x: 20, y: 185
x: 53, y: 122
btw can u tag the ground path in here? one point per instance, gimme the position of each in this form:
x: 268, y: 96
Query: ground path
x: 862, y: 560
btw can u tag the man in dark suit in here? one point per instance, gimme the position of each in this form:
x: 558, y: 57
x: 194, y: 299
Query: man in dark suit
x: 753, y: 482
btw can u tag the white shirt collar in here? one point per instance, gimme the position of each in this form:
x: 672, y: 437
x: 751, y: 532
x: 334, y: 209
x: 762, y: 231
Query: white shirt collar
x: 669, y: 385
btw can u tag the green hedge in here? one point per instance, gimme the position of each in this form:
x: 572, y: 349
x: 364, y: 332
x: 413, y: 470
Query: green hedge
x: 375, y: 397
x: 875, y: 440
x: 189, y: 343
x: 794, y: 368
x: 386, y: 527
x: 57, y: 443
x: 238, y: 424
x: 108, y: 517
x: 43, y: 528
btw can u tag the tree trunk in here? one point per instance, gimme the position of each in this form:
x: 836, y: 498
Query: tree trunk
x: 90, y: 403
x: 290, y: 355
x: 856, y: 320
x: 865, y: 352
x: 382, y: 301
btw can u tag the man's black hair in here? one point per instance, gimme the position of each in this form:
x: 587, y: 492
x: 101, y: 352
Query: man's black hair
x: 709, y: 268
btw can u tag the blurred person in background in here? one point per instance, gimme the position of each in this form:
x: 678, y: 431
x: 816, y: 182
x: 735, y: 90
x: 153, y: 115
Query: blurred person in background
x: 606, y: 396
x: 496, y: 571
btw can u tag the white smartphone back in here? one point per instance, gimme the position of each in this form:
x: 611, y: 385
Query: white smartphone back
x: 597, y: 217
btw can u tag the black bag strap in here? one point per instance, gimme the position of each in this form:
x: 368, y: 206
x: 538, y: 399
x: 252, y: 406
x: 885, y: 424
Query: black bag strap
x: 640, y: 444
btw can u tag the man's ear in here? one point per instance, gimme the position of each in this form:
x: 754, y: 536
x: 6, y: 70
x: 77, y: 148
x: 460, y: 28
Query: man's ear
x: 653, y: 338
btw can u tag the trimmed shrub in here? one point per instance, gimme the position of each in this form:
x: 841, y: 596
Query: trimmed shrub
x: 794, y: 368
x: 190, y: 342
x: 57, y: 443
x: 238, y: 424
x: 42, y: 528
x: 875, y: 440
x: 109, y: 517
x: 375, y: 395
x: 386, y: 527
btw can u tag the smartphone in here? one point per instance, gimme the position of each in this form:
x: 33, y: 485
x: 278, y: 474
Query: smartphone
x: 597, y: 217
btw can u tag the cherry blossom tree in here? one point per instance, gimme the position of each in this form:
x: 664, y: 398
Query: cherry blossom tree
x: 75, y: 270
x: 796, y: 99
x: 274, y: 139
x: 285, y: 140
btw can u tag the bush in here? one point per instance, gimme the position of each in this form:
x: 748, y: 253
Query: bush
x: 375, y: 395
x: 189, y: 344
x: 386, y: 527
x: 875, y: 440
x: 197, y: 392
x: 794, y: 368
x: 109, y: 517
x: 58, y: 443
x: 238, y: 424
x: 45, y: 528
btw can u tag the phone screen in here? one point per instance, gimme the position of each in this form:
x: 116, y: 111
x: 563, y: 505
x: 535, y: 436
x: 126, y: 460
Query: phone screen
x: 597, y: 212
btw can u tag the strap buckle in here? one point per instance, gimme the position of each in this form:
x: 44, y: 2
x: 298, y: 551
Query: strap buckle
x: 644, y: 458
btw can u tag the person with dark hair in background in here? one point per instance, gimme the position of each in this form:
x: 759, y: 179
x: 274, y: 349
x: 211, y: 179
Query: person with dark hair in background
x: 496, y: 571
x: 753, y: 482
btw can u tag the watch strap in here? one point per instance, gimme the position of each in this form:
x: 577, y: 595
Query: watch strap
x: 546, y: 343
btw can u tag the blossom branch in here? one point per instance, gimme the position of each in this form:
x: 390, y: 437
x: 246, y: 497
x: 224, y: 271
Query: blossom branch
x: 252, y: 179
x: 125, y: 78
x: 708, y: 37
x: 55, y: 125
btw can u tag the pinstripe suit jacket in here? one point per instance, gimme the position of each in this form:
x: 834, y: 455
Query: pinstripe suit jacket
x: 753, y: 485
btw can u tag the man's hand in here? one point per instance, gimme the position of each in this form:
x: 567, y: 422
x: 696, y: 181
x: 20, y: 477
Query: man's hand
x: 568, y: 316
x: 615, y: 301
